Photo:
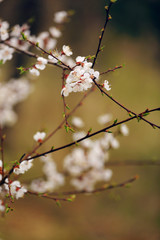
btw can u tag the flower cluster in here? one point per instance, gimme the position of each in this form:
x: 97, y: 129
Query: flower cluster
x: 86, y: 163
x: 23, y: 167
x: 53, y: 178
x: 81, y: 78
x: 11, y: 93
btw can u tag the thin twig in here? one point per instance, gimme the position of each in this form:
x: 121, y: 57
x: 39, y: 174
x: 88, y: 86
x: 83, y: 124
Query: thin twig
x: 97, y: 190
x: 91, y: 135
x: 107, y: 8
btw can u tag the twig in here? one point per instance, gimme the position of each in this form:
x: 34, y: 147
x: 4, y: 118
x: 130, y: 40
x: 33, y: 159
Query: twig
x: 101, y: 189
x: 107, y: 8
x: 90, y: 135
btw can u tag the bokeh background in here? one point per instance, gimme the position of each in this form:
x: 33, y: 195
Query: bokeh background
x: 131, y: 39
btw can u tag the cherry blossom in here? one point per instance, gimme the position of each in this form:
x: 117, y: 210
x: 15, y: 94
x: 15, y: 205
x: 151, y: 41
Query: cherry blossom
x: 60, y: 17
x: 39, y: 136
x: 67, y: 50
x: 106, y: 85
x: 41, y: 63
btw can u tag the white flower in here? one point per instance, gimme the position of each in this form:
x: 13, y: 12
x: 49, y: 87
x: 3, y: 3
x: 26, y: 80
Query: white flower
x: 39, y: 136
x: 87, y: 143
x: 106, y: 85
x: 80, y: 59
x: 34, y: 72
x: 55, y: 32
x: 41, y: 63
x: 77, y: 122
x: 4, y: 30
x: 45, y: 41
x: 103, y: 119
x: 66, y: 90
x: 2, y: 206
x: 124, y: 130
x: 15, y: 189
x: 23, y: 167
x: 59, y: 17
x: 80, y: 78
x: 6, y: 53
x: 67, y: 50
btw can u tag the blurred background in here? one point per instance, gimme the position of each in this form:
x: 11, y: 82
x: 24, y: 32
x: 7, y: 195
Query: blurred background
x: 131, y: 39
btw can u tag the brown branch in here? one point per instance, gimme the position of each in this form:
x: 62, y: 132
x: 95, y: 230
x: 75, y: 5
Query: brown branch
x: 2, y: 137
x: 101, y: 189
x: 107, y: 8
x: 139, y: 116
x: 45, y: 195
x: 30, y: 54
x: 133, y: 163
x: 111, y: 70
x: 49, y: 54
x: 91, y: 135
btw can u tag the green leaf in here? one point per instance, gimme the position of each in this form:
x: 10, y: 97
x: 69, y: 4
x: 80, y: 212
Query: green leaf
x: 37, y: 44
x: 115, y: 121
x: 1, y: 62
x: 67, y: 128
x: 58, y: 203
x: 21, y: 69
x: 24, y: 37
x: 71, y: 129
x: 90, y: 130
x: 145, y: 114
x: 67, y: 107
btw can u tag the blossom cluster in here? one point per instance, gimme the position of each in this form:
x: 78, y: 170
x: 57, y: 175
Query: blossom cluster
x: 13, y: 189
x: 81, y: 78
x: 11, y: 93
x: 13, y: 37
x: 53, y: 179
x: 86, y: 163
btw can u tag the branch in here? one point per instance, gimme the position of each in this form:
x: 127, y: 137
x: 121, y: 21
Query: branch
x: 133, y: 163
x: 107, y: 8
x: 101, y: 189
x: 140, y: 116
x: 91, y: 135
x: 30, y: 54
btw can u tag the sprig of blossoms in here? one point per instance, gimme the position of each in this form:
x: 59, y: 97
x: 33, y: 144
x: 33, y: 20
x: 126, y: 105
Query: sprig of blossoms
x: 23, y: 167
x: 11, y: 93
x: 81, y: 78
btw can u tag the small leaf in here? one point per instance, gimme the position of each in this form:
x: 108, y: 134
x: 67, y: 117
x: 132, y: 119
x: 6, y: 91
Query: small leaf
x: 115, y: 121
x: 58, y: 203
x: 37, y: 44
x: 24, y: 37
x: 71, y: 129
x: 21, y: 69
x: 145, y: 114
x: 67, y: 107
x: 89, y: 131
x: 67, y: 128
x: 1, y: 62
